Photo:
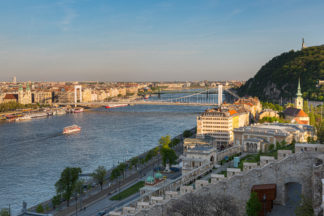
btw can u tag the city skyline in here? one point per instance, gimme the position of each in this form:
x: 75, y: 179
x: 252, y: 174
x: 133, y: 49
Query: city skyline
x: 150, y: 41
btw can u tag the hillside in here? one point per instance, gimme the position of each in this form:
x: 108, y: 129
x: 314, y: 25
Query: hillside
x: 278, y: 78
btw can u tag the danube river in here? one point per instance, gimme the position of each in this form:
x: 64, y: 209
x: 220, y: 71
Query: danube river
x: 33, y: 153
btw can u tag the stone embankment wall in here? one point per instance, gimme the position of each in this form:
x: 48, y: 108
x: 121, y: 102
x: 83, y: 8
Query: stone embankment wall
x: 305, y: 168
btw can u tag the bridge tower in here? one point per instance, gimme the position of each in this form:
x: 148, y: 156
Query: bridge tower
x: 76, y: 88
x: 220, y: 95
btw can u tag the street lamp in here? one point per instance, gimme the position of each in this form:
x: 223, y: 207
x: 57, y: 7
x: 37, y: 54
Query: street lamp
x: 264, y: 203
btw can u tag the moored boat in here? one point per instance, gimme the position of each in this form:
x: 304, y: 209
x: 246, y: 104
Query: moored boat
x: 38, y: 114
x: 71, y: 129
x: 115, y: 106
x: 77, y: 110
x: 25, y: 117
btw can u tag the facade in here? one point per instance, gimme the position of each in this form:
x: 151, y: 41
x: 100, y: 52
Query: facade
x: 10, y: 98
x: 42, y: 97
x: 268, y: 113
x: 24, y: 97
x: 250, y: 104
x: 299, y: 102
x: 297, y: 116
x: 219, y: 124
x: 198, y: 156
x: 258, y: 137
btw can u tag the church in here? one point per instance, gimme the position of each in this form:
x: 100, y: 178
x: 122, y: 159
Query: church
x: 296, y: 114
x: 24, y: 97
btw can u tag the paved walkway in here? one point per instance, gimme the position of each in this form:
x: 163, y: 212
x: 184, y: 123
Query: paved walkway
x: 294, y: 191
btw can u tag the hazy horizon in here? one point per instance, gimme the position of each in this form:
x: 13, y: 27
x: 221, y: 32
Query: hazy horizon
x: 127, y: 41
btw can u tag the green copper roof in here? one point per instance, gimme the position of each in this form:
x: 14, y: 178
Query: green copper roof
x: 27, y: 88
x: 299, y: 94
x: 150, y: 179
x: 20, y: 87
x: 158, y: 175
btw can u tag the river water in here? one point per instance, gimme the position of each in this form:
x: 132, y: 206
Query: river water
x: 33, y: 153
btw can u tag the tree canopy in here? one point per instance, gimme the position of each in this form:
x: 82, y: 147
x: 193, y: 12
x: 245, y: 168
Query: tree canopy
x: 67, y: 182
x: 99, y: 175
x: 253, y: 205
x: 279, y: 77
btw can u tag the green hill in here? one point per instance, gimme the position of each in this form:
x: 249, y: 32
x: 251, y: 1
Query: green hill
x: 279, y: 77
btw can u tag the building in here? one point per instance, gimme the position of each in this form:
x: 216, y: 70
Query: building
x: 219, y: 124
x: 42, y: 97
x: 296, y: 116
x: 258, y: 137
x: 197, y: 156
x: 299, y: 102
x: 268, y: 113
x: 250, y: 104
x: 10, y: 98
x: 24, y: 97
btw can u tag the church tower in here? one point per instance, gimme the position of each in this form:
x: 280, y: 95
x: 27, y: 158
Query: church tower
x: 299, y: 102
x: 20, y: 94
x: 303, y: 44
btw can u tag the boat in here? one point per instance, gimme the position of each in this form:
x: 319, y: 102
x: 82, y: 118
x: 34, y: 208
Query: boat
x: 146, y: 96
x: 25, y: 117
x: 115, y: 106
x: 71, y: 129
x: 11, y: 117
x: 38, y: 115
x: 60, y: 112
x: 77, y: 110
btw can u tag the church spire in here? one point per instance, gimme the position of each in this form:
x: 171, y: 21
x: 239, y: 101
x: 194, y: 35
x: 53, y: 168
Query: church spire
x: 299, y: 94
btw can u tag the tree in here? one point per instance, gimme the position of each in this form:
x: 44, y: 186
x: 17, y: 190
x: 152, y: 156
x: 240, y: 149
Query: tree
x: 202, y: 205
x: 165, y: 140
x: 306, y: 106
x: 78, y: 190
x: 253, y: 205
x: 168, y: 155
x: 67, y: 182
x: 40, y: 209
x: 187, y: 133
x: 4, y: 212
x: 305, y: 207
x: 99, y: 175
x: 56, y: 200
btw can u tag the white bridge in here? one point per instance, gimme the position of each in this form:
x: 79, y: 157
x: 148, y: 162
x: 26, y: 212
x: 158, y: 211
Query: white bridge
x: 203, y: 98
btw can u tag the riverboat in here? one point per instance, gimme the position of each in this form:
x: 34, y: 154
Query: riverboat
x: 22, y: 118
x: 71, y: 129
x: 115, y: 106
x: 77, y: 110
x: 38, y: 114
x: 11, y: 117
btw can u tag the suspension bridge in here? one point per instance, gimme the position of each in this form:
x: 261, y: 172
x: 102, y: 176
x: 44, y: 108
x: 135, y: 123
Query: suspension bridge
x: 201, y: 98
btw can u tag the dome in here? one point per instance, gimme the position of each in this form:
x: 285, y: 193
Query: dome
x: 150, y: 179
x: 158, y: 175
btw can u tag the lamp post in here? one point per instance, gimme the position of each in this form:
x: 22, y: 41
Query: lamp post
x: 264, y: 203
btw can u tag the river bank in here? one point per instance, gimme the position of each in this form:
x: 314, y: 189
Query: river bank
x: 110, y: 186
x: 34, y: 153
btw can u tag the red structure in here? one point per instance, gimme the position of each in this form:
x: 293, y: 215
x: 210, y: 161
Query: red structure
x: 266, y: 194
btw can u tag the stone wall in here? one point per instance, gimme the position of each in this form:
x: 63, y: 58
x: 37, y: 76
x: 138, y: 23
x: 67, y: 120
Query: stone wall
x: 305, y: 168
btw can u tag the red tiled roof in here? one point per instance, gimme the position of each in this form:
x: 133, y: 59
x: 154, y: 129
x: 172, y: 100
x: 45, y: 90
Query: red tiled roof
x: 10, y: 97
x: 232, y: 112
x: 301, y: 113
x: 300, y: 121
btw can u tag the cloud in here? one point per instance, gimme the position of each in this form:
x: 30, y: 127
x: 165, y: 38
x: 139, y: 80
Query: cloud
x: 69, y: 15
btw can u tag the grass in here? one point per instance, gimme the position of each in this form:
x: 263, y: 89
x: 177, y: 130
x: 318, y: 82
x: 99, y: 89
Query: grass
x: 255, y: 158
x: 129, y: 191
x: 224, y: 172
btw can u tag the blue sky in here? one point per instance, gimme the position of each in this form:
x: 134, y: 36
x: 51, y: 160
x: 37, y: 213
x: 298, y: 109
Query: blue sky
x: 135, y: 40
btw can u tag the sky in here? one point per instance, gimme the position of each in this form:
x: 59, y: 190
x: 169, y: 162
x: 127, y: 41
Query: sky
x: 151, y: 40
